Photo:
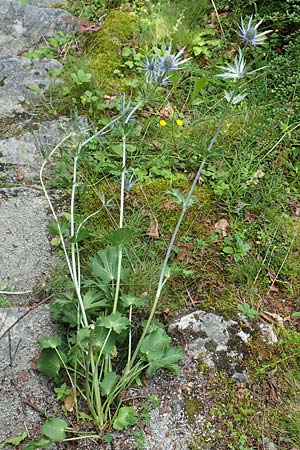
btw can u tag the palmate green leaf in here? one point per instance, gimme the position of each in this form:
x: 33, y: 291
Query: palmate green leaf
x: 131, y: 300
x: 155, y: 349
x: 99, y: 338
x: 50, y: 342
x: 126, y: 416
x: 167, y: 361
x: 121, y: 236
x: 95, y: 299
x: 81, y: 336
x: 55, y: 429
x: 81, y: 236
x: 115, y: 322
x: 42, y: 442
x: 65, y: 311
x: 154, y: 344
x: 108, y: 383
x: 104, y: 264
x: 14, y: 440
x: 50, y: 363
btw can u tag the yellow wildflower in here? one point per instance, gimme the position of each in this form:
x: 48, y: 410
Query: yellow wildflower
x: 162, y: 123
x: 179, y: 122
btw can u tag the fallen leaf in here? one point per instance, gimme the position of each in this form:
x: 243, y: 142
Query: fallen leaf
x: 272, y: 275
x: 69, y: 402
x: 20, y: 174
x: 166, y: 112
x: 272, y: 317
x: 183, y: 253
x: 88, y: 27
x: 222, y: 225
x: 153, y: 230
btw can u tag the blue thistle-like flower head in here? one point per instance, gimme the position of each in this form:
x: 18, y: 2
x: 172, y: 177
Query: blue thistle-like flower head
x: 238, y: 69
x: 249, y: 33
x: 168, y: 61
x: 162, y: 63
x: 151, y: 69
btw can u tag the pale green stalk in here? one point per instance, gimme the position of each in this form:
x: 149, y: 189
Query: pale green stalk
x: 51, y: 205
x: 121, y: 221
x: 129, y: 339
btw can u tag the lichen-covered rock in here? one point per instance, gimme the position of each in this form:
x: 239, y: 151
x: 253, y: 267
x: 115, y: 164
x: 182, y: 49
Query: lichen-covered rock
x: 22, y: 27
x: 220, y: 342
x: 22, y: 83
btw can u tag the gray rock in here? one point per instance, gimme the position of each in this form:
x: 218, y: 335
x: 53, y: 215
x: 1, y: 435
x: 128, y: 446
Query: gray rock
x: 268, y: 444
x: 267, y: 333
x: 168, y: 430
x: 25, y: 152
x: 22, y: 27
x: 18, y: 76
x: 25, y: 253
x: 25, y: 395
x: 48, y: 3
x: 218, y: 341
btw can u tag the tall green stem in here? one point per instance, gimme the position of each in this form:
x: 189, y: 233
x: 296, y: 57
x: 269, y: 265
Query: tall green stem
x: 174, y: 235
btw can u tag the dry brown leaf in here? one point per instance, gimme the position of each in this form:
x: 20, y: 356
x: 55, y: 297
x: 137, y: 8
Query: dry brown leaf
x: 168, y: 205
x: 272, y: 317
x: 69, y: 402
x: 166, y: 112
x: 153, y: 229
x: 222, y: 225
x: 20, y: 174
x: 183, y: 253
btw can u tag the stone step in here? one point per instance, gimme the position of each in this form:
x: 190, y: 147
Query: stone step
x: 22, y: 27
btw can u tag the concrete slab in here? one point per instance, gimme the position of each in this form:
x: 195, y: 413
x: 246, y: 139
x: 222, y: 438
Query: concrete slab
x: 25, y: 252
x: 25, y: 395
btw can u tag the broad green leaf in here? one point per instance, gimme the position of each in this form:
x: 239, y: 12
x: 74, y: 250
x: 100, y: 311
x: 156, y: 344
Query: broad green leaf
x: 228, y: 250
x: 132, y: 300
x: 53, y: 227
x: 81, y: 236
x: 14, y: 440
x: 126, y: 416
x: 42, y: 442
x: 99, y: 338
x: 121, y: 236
x: 64, y: 311
x: 167, y: 361
x: 108, y: 383
x: 49, y: 363
x: 50, y: 342
x: 55, y: 429
x: 155, y: 344
x: 81, y: 336
x: 157, y: 352
x: 94, y: 299
x: 104, y: 264
x: 115, y: 322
